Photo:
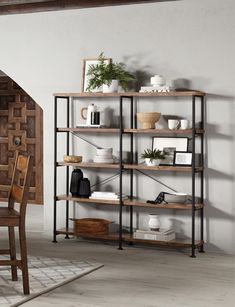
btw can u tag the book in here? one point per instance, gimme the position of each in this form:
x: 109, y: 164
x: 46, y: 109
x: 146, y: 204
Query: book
x: 162, y: 231
x: 149, y: 89
x: 88, y: 126
x: 106, y: 195
x: 103, y: 193
x: 165, y: 235
x: 116, y: 197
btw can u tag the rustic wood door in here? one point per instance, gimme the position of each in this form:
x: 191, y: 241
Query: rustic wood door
x: 21, y: 128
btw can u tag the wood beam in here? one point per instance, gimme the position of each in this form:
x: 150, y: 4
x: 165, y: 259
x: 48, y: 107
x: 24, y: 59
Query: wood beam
x: 30, y: 6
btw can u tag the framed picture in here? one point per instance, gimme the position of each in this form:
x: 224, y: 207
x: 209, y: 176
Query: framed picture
x: 86, y: 64
x: 182, y: 158
x: 169, y: 145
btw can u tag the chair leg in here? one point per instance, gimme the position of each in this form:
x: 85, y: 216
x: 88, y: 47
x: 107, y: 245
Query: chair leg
x: 24, y: 260
x: 12, y: 246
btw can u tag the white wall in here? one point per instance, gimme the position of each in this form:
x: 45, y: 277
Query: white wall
x: 192, y: 40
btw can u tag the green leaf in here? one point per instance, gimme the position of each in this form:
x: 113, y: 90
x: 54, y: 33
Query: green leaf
x: 103, y: 73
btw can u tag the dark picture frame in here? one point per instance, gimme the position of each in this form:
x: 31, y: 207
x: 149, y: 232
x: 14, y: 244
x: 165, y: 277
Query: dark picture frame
x: 182, y: 158
x: 170, y: 145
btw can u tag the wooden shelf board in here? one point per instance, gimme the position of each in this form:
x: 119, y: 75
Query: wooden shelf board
x: 162, y: 131
x: 129, y: 238
x: 131, y: 166
x: 110, y: 236
x: 161, y: 206
x: 89, y: 165
x: 87, y: 200
x: 128, y: 202
x: 173, y: 243
x: 162, y: 168
x: 102, y: 130
x: 133, y: 94
x: 135, y: 131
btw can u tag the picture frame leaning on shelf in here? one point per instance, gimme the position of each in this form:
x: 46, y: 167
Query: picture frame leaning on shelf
x: 182, y: 158
x: 85, y: 78
x: 170, y: 145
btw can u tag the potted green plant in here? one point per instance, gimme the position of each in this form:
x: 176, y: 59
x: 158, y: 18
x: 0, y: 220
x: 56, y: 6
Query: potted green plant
x: 109, y: 75
x: 153, y: 156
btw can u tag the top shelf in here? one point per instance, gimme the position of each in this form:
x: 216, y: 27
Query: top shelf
x: 133, y: 94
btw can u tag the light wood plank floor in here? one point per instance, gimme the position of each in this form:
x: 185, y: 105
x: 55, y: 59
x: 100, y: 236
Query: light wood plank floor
x: 138, y: 277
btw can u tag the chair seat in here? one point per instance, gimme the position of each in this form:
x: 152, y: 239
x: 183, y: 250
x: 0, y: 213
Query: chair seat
x: 9, y: 217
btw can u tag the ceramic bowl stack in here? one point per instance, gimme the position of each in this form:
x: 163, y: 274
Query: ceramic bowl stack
x: 104, y: 155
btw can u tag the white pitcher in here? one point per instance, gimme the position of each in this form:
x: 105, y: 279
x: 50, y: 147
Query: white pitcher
x: 89, y: 110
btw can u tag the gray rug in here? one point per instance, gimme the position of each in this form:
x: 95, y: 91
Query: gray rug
x: 45, y: 275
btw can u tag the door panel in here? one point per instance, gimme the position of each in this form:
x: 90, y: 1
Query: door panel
x: 21, y: 128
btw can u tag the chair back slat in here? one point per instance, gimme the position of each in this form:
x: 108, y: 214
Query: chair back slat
x: 17, y: 193
x: 20, y: 182
x: 22, y: 163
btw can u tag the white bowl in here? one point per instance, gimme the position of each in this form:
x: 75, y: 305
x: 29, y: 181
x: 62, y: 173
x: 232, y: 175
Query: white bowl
x: 96, y: 160
x: 104, y: 151
x: 176, y: 198
x: 104, y: 156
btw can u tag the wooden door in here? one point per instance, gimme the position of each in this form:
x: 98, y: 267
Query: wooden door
x: 21, y: 128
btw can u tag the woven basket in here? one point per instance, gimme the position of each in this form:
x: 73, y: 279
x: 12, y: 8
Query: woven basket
x: 91, y: 226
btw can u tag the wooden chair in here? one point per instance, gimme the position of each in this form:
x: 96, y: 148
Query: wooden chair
x: 15, y: 217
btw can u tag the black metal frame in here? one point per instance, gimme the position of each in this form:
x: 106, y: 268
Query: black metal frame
x: 120, y: 171
x: 133, y: 124
x: 194, y: 171
x: 55, y: 166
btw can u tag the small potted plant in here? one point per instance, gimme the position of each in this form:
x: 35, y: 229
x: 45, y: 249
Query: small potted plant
x: 153, y: 156
x: 108, y: 75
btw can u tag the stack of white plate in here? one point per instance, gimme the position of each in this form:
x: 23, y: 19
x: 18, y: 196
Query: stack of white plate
x: 104, y: 155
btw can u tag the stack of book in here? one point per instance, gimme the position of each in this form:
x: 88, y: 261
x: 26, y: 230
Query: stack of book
x: 161, y: 235
x: 105, y: 195
x: 154, y: 89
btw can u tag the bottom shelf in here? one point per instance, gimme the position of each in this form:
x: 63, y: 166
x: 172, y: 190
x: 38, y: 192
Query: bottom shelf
x: 129, y: 239
x: 109, y: 237
x: 173, y: 243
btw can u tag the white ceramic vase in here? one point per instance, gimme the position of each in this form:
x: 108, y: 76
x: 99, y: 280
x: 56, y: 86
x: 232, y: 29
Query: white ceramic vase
x: 158, y: 80
x: 154, y: 162
x: 154, y: 222
x: 112, y: 88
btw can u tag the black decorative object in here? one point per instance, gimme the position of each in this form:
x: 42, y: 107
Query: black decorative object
x: 160, y: 199
x: 84, y: 188
x: 76, y: 178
